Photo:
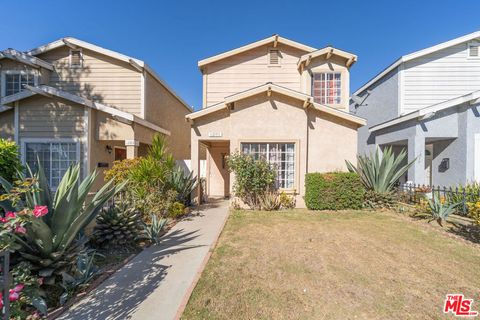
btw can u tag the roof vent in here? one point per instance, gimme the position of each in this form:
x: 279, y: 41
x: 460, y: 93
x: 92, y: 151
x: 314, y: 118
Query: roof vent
x: 473, y: 51
x: 274, y: 56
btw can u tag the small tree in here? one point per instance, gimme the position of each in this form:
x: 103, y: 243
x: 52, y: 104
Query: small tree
x: 252, y: 178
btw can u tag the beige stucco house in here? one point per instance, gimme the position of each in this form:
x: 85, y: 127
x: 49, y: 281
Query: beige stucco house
x: 279, y: 99
x: 72, y: 101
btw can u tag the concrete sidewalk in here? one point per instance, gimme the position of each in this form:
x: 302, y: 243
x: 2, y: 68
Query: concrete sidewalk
x: 156, y: 284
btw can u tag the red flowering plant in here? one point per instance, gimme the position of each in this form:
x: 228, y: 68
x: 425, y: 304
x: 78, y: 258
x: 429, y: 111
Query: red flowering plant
x: 25, y: 294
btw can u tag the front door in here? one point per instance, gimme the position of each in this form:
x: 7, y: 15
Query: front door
x: 428, y: 164
x: 120, y: 153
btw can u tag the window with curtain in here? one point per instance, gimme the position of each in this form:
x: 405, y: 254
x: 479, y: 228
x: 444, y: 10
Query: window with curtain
x: 15, y: 82
x: 280, y: 155
x: 327, y: 87
x: 55, y: 158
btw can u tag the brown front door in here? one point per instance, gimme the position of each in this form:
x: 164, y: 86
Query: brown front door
x: 120, y: 154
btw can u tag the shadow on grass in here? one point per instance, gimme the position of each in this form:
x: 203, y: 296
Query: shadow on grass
x: 120, y: 295
x: 468, y: 232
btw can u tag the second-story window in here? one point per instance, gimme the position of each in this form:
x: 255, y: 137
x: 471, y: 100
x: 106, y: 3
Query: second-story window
x: 327, y: 87
x: 76, y: 59
x: 16, y: 81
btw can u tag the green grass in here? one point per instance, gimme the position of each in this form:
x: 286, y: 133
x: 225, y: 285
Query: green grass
x: 332, y: 265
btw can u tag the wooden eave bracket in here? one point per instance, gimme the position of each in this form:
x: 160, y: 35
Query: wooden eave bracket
x: 307, y: 103
x: 329, y: 53
x: 350, y: 61
x: 275, y: 41
x: 69, y: 44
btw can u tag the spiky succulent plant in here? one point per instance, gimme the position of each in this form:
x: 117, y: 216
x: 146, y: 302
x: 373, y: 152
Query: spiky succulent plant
x: 118, y: 225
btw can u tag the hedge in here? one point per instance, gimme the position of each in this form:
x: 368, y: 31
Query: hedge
x: 9, y: 160
x: 333, y: 191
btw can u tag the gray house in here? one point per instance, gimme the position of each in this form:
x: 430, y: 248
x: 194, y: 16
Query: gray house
x: 427, y: 102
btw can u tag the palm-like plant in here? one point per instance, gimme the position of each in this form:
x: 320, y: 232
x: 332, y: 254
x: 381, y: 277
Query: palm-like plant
x: 50, y: 241
x: 154, y: 230
x: 439, y: 210
x: 184, y: 184
x: 379, y: 173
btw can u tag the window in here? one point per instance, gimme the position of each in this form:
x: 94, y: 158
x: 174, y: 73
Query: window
x: 76, y: 58
x: 327, y: 88
x: 16, y: 81
x: 274, y: 56
x: 280, y: 155
x: 55, y: 158
x: 473, y: 51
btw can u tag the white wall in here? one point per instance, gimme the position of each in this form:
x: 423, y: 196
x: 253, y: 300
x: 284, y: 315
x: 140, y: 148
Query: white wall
x: 439, y: 76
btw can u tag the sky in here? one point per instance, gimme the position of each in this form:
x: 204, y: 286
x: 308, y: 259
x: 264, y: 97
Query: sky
x: 171, y: 36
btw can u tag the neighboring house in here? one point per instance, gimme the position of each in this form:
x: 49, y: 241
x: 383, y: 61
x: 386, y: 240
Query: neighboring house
x: 427, y: 102
x: 72, y: 101
x: 279, y: 99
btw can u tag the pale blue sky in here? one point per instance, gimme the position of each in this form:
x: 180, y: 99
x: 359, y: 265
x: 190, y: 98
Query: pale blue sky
x: 172, y: 36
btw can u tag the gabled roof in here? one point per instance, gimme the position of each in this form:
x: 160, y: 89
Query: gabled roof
x: 418, y: 54
x: 25, y: 59
x: 47, y: 91
x: 472, y: 97
x: 139, y: 65
x: 275, y: 39
x: 270, y: 88
x: 328, y: 52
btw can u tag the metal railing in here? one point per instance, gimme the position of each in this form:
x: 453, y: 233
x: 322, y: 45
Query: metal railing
x: 414, y: 193
x: 5, y: 283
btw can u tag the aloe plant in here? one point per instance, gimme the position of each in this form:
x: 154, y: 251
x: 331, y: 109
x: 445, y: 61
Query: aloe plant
x: 440, y: 211
x: 53, y: 241
x: 380, y: 171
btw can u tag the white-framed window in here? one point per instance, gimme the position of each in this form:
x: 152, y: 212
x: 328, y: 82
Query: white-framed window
x: 76, y: 58
x: 273, y: 57
x: 327, y: 87
x: 474, y: 50
x: 14, y: 81
x: 280, y: 155
x: 55, y: 156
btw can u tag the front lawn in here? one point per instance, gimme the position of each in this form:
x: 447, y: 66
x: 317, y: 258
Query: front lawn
x: 332, y: 265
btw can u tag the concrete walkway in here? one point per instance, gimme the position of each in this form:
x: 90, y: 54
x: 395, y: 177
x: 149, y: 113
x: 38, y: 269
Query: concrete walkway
x: 156, y: 284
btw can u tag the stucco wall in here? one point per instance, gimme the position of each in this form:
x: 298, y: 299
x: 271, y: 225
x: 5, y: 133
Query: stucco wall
x: 164, y: 109
x: 379, y: 106
x: 282, y: 119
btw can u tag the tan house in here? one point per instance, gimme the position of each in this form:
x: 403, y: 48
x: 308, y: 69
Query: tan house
x: 279, y: 99
x: 72, y: 101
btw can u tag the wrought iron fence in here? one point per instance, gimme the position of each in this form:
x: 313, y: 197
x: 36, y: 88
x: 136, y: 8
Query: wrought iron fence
x: 5, y: 283
x: 413, y: 193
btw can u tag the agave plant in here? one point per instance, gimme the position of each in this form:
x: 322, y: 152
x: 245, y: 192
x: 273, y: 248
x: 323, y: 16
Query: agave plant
x: 118, y: 225
x: 184, y: 184
x: 380, y: 171
x: 154, y: 230
x: 53, y: 241
x: 439, y: 210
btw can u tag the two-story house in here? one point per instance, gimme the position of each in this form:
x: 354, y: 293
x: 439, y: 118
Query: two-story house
x: 279, y: 99
x: 427, y: 102
x: 72, y: 101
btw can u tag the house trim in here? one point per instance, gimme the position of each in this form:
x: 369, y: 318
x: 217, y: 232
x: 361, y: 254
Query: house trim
x: 274, y: 40
x: 417, y: 54
x: 25, y: 59
x: 425, y: 112
x: 137, y: 64
x: 328, y: 52
x: 268, y: 88
x: 50, y: 91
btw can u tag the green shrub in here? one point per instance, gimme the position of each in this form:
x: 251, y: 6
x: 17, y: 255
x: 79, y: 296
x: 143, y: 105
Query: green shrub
x: 270, y: 201
x: 9, y: 160
x: 252, y: 178
x: 287, y: 201
x: 333, y: 191
x: 177, y: 210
